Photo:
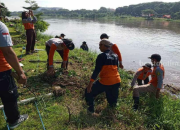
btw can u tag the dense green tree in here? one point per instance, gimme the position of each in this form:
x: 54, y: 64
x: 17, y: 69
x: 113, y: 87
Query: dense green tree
x: 148, y: 11
x: 4, y: 11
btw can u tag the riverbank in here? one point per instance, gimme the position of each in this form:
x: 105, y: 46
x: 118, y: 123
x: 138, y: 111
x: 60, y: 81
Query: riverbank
x: 68, y: 111
x: 114, y: 18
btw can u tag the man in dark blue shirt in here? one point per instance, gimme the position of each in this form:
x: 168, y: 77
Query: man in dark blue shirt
x: 109, y: 77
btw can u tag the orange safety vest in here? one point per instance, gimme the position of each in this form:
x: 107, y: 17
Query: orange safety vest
x: 4, y: 65
x: 28, y: 26
x: 154, y: 80
x: 143, y: 75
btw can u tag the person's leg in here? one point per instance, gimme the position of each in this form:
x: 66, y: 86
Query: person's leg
x: 9, y: 95
x: 146, y: 81
x: 61, y: 54
x: 141, y: 89
x: 29, y: 40
x: 112, y: 93
x: 33, y: 40
x: 47, y: 51
x: 9, y: 101
x: 139, y: 82
x: 96, y: 89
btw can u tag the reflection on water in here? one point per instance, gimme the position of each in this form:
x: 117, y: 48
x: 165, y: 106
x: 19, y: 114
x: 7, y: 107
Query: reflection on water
x: 136, y: 40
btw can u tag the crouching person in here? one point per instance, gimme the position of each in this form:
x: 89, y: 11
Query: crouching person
x: 142, y: 75
x: 155, y: 83
x: 109, y: 77
x: 56, y: 44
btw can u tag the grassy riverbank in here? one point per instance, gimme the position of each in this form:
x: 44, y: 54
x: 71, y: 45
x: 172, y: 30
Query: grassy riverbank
x: 68, y: 112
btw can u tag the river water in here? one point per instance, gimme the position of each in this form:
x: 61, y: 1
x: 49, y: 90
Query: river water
x: 136, y: 40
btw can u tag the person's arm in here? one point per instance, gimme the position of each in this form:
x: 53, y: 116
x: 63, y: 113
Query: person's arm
x: 29, y: 20
x: 98, y: 67
x: 159, y: 74
x: 116, y: 51
x: 34, y: 19
x: 65, y: 57
x: 135, y: 78
x: 12, y: 59
x: 51, y: 55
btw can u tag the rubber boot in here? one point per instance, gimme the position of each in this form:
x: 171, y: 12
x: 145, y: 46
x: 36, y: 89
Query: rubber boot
x: 136, y: 103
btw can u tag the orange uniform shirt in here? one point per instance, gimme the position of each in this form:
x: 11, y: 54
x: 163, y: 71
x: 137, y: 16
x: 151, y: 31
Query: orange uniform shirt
x: 5, y: 41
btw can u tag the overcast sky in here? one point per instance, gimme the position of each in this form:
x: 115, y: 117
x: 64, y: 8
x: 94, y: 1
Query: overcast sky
x: 16, y: 5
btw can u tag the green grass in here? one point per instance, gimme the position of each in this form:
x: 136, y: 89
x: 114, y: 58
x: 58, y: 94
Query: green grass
x: 161, y: 114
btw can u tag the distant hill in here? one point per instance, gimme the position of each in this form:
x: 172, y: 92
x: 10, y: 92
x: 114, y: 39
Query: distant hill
x: 155, y: 9
x: 48, y: 8
x: 17, y: 13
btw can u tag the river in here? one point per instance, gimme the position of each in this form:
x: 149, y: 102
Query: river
x: 136, y: 40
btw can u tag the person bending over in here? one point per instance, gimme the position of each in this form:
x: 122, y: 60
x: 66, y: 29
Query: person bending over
x: 56, y: 44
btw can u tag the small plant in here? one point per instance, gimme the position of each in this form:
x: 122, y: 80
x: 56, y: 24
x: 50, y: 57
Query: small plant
x: 72, y: 73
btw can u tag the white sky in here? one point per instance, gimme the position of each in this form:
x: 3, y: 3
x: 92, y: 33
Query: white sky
x: 16, y: 5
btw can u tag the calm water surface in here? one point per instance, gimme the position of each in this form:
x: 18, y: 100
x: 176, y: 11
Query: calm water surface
x: 136, y: 40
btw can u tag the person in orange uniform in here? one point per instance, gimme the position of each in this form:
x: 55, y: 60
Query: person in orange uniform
x: 8, y: 88
x: 142, y: 75
x: 28, y: 20
x: 114, y: 48
x: 109, y: 78
x: 156, y: 82
x: 56, y: 44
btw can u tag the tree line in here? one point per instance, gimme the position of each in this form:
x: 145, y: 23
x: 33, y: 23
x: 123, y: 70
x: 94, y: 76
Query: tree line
x: 157, y: 8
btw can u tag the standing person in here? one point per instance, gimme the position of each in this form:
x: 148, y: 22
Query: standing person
x: 56, y: 44
x: 155, y: 83
x: 84, y: 46
x: 28, y: 23
x: 109, y: 77
x: 62, y: 36
x: 142, y: 75
x: 8, y: 88
x: 114, y: 49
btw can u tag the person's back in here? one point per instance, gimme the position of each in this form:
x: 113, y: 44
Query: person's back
x: 109, y: 71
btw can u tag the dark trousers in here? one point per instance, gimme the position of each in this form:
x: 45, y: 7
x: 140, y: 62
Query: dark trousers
x: 31, y: 37
x: 112, y: 92
x: 9, y: 95
x: 146, y: 81
x: 60, y: 53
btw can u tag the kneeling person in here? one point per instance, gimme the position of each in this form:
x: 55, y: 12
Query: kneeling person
x: 109, y: 82
x: 56, y: 44
x: 156, y: 82
x: 142, y: 75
